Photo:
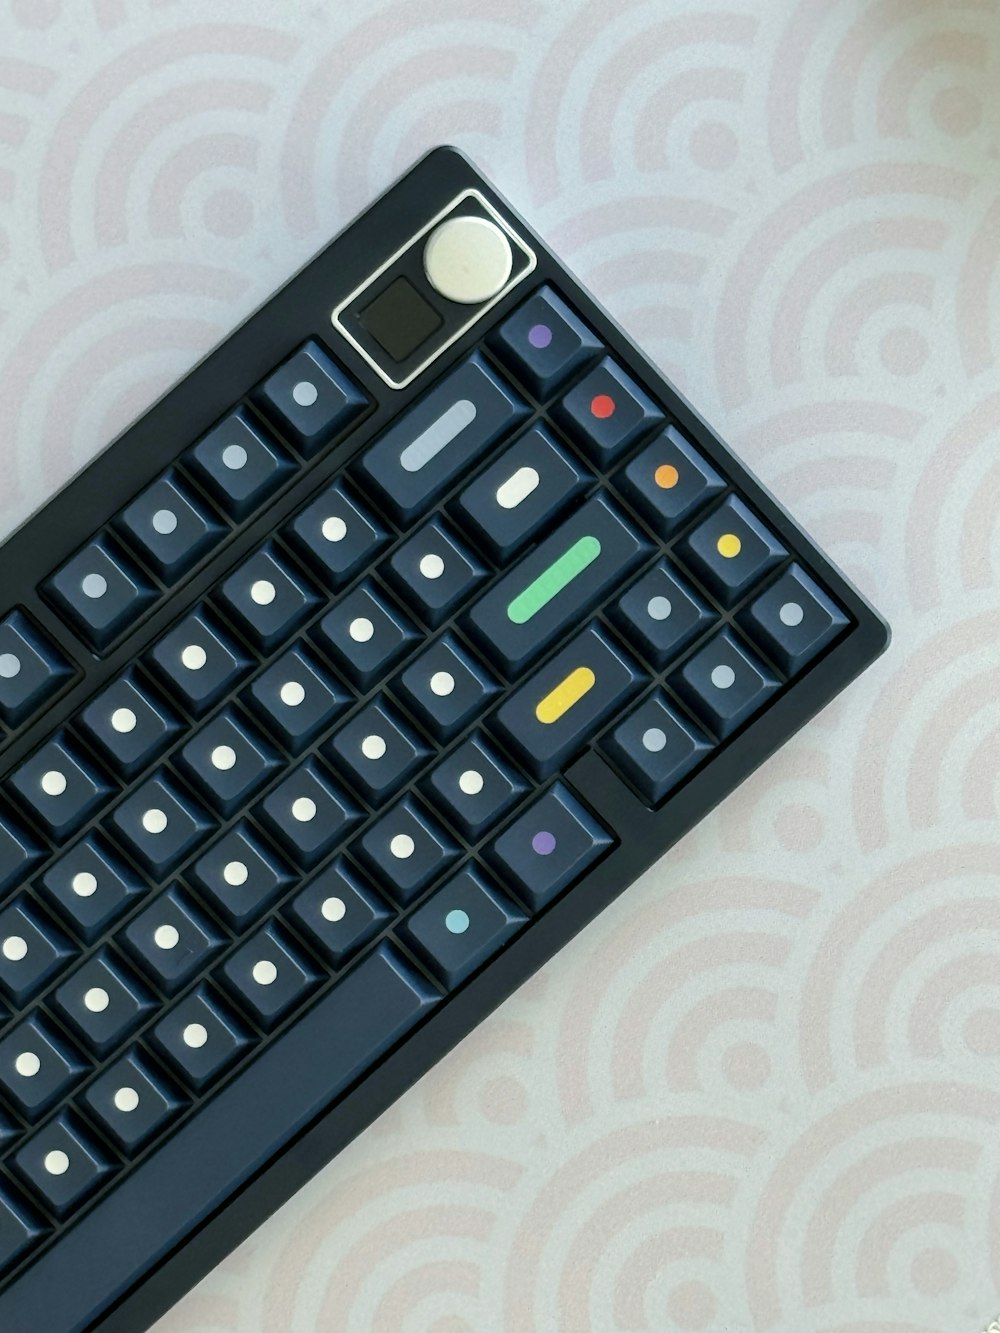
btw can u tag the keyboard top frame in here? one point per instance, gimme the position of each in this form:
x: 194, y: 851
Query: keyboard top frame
x: 302, y: 309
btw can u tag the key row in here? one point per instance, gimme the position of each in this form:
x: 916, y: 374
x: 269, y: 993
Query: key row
x: 170, y: 527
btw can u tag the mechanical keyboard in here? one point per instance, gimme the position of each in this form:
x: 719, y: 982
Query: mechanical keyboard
x: 335, y: 696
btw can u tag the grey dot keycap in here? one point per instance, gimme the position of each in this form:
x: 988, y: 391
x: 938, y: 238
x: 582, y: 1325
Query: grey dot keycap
x: 529, y: 486
x: 228, y: 761
x: 267, y: 599
x: 310, y: 398
x: 38, y: 1065
x: 171, y: 940
x: 60, y: 787
x: 439, y: 438
x: 405, y: 850
x: 547, y: 592
x: 544, y: 342
x: 33, y: 949
x: 461, y: 925
x: 32, y: 669
x: 132, y: 1100
x: 160, y: 824
x: 336, y: 535
x: 308, y: 813
x: 198, y: 661
x: 201, y: 1036
x: 793, y: 621
x: 296, y: 697
x: 101, y: 591
x: 240, y: 876
x: 129, y: 724
x: 240, y: 464
x: 669, y: 481
x: 170, y: 529
x: 268, y: 975
x: 376, y: 752
x: 103, y: 1002
x: 548, y: 847
x: 724, y: 683
x: 661, y: 614
x: 91, y: 885
x: 338, y: 912
x: 656, y: 746
x: 63, y: 1163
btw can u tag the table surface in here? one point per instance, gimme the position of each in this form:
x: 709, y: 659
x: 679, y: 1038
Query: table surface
x: 761, y: 1093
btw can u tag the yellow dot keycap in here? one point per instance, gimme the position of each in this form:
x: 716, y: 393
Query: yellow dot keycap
x: 729, y: 545
x: 569, y: 691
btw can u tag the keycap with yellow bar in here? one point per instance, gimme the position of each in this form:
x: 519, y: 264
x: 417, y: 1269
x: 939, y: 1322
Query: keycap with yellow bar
x: 565, y: 702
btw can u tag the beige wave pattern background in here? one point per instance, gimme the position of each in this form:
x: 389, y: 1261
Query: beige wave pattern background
x: 762, y: 1093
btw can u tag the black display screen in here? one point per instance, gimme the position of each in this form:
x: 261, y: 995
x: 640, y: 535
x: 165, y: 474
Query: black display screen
x: 399, y: 319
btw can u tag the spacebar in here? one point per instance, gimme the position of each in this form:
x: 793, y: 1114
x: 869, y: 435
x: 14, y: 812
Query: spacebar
x: 219, y: 1148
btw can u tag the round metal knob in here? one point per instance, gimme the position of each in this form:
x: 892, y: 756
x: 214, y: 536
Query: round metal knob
x: 468, y: 259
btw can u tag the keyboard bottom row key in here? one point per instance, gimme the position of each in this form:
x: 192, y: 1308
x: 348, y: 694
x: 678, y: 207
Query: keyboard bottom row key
x: 62, y: 1163
x: 655, y: 747
x: 462, y: 925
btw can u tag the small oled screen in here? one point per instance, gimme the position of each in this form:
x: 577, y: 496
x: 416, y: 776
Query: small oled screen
x: 400, y: 320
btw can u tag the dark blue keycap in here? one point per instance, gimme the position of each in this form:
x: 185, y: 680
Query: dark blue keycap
x: 160, y: 824
x: 171, y: 940
x: 240, y: 876
x: 32, y: 669
x: 308, y: 813
x: 63, y: 1163
x: 38, y: 1065
x: 268, y: 975
x: 406, y: 850
x: 133, y: 1100
x: 201, y: 1037
x: 661, y: 614
x: 548, y: 847
x: 228, y: 761
x: 730, y: 550
x: 793, y: 620
x: 169, y: 529
x: 101, y: 591
x: 461, y: 925
x: 473, y: 787
x: 60, y: 787
x: 338, y: 912
x: 310, y: 398
x: 239, y: 464
x: 267, y: 598
x: 446, y: 687
x: 296, y: 698
x: 19, y: 853
x: 91, y: 886
x: 551, y: 717
x: 606, y: 412
x: 434, y: 572
x: 103, y: 1002
x: 543, y: 342
x: 32, y: 949
x: 366, y: 634
x: 527, y: 487
x: 724, y: 683
x: 198, y: 661
x: 336, y: 535
x: 438, y: 439
x: 20, y: 1227
x: 129, y: 724
x: 556, y: 584
x: 376, y: 752
x: 656, y: 746
x: 669, y: 481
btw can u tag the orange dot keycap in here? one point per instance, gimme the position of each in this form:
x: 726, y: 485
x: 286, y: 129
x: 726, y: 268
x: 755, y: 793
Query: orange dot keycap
x: 602, y: 405
x: 666, y: 476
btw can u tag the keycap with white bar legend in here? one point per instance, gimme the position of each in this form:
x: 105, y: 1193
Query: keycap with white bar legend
x: 335, y: 696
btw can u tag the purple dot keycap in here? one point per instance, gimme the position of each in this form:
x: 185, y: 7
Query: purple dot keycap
x: 539, y: 335
x: 543, y: 843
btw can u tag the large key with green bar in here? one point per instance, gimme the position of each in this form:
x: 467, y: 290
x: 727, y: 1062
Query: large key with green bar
x: 557, y: 583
